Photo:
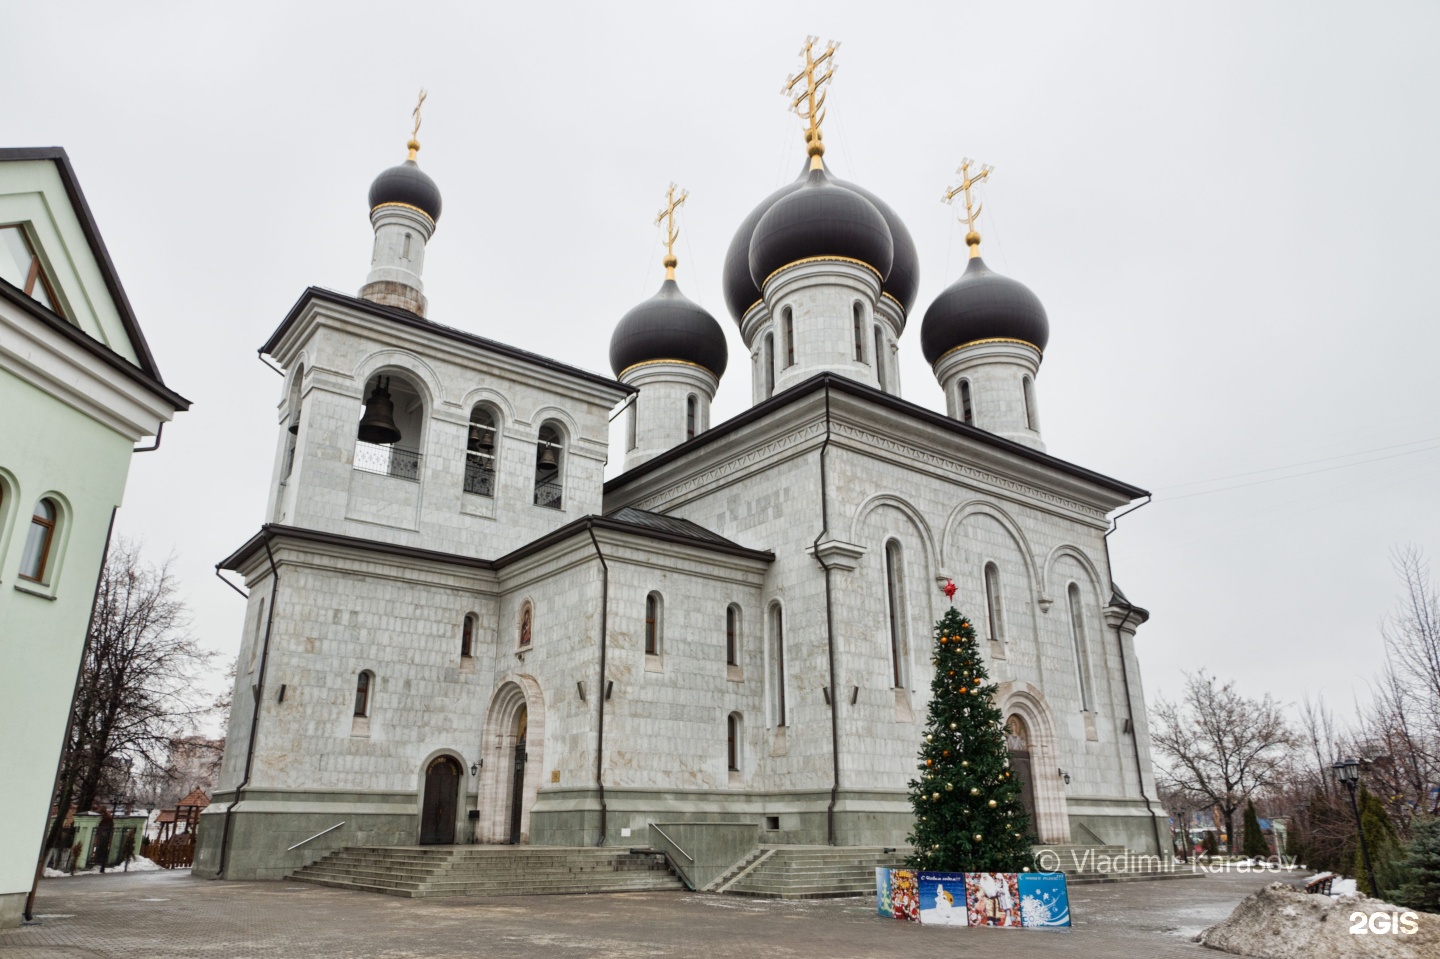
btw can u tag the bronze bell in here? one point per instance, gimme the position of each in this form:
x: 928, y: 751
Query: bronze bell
x: 481, y: 437
x: 548, y: 462
x: 378, y: 423
x: 295, y: 425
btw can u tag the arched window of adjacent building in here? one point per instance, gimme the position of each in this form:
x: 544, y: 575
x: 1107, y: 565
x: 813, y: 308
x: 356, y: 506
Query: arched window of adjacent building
x: 1028, y: 389
x: 994, y: 617
x: 362, y: 693
x: 388, y: 437
x: 967, y: 407
x: 654, y: 628
x: 480, y: 458
x: 767, y: 358
x: 527, y: 622
x: 630, y: 426
x: 777, y: 663
x: 39, y: 541
x: 692, y: 416
x: 1077, y: 637
x: 732, y: 742
x: 895, y: 602
x: 858, y: 312
x: 787, y: 323
x: 549, y: 466
x: 467, y: 636
x: 880, y: 371
x: 732, y: 635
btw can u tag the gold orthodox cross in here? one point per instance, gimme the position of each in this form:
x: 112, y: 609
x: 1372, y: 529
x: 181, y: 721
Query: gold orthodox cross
x: 672, y: 232
x: 414, y: 143
x: 808, y: 101
x: 972, y: 210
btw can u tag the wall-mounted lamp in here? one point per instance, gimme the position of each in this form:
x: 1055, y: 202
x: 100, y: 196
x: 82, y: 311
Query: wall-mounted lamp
x: 1064, y: 775
x: 475, y: 768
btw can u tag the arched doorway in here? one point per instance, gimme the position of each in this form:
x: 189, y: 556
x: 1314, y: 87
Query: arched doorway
x: 517, y: 775
x: 1017, y: 743
x: 442, y: 795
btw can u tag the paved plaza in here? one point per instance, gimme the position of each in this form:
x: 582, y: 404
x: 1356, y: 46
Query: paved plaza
x: 173, y: 915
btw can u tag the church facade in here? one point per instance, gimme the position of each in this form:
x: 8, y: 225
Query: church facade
x: 458, y: 631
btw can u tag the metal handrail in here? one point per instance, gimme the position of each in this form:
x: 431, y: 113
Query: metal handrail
x: 316, y: 836
x: 672, y: 842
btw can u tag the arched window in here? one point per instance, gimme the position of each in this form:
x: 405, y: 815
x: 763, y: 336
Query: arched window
x: 777, y: 663
x: 259, y: 636
x: 859, y: 323
x: 993, y: 615
x: 293, y: 426
x: 895, y: 600
x: 467, y: 636
x: 527, y: 618
x: 630, y: 426
x: 967, y: 408
x: 880, y: 358
x: 1028, y: 388
x: 691, y: 416
x: 405, y: 248
x: 1077, y: 637
x: 549, y: 466
x: 35, y: 560
x: 732, y: 635
x: 480, y: 452
x: 388, y: 437
x: 787, y: 322
x: 362, y: 693
x: 653, y: 625
x: 732, y: 742
x: 767, y: 357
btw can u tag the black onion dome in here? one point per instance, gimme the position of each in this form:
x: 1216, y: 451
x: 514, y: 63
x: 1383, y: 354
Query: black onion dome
x: 668, y: 327
x: 407, y: 184
x: 741, y: 293
x: 903, y: 283
x: 821, y: 218
x: 982, y: 305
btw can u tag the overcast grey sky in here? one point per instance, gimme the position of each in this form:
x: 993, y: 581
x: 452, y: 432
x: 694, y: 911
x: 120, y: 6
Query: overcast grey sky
x: 1229, y: 210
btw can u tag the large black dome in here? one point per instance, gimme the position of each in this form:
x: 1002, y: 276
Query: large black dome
x: 741, y: 293
x: 821, y: 218
x: 668, y: 327
x: 982, y: 305
x: 407, y: 184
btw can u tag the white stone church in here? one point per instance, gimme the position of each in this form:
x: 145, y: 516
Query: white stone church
x: 457, y: 631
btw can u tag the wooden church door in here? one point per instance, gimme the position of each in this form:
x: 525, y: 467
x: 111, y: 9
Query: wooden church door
x: 1017, y: 742
x: 517, y: 783
x: 437, y: 816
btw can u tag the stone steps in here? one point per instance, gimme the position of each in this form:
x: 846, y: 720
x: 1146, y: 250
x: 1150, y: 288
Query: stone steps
x: 809, y: 872
x: 445, y: 871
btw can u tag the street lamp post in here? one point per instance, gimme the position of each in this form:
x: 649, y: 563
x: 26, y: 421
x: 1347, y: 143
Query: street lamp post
x: 1348, y: 772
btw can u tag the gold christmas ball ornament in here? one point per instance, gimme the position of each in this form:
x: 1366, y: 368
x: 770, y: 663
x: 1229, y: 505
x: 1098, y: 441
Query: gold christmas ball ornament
x: 993, y: 804
x: 949, y: 787
x: 1017, y: 835
x: 978, y: 837
x: 934, y: 796
x: 964, y: 763
x: 953, y: 726
x: 929, y: 739
x: 974, y: 791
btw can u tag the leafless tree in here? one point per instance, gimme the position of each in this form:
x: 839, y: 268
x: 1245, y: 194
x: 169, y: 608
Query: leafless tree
x: 137, y: 691
x: 1219, y: 746
x: 1412, y: 637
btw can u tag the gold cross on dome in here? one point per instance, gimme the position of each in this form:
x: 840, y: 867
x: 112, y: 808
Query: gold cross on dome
x: 972, y: 210
x: 672, y: 232
x: 414, y: 143
x: 808, y: 101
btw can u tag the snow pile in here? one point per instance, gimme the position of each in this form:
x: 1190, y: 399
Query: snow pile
x: 138, y: 864
x: 1283, y: 922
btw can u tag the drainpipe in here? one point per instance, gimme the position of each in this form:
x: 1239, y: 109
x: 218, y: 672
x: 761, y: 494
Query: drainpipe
x: 53, y: 833
x: 254, y: 717
x: 601, y: 691
x: 829, y: 632
x: 1125, y: 682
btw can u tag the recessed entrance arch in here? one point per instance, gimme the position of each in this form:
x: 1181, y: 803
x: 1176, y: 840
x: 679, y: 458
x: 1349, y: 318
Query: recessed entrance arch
x: 1017, y: 744
x: 442, y: 797
x: 1035, y: 758
x: 512, y: 746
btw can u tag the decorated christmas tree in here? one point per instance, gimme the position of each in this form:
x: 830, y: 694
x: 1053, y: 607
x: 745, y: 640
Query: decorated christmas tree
x: 968, y: 815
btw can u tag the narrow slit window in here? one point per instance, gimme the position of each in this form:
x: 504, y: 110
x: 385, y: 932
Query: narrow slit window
x: 1027, y: 387
x: 788, y: 321
x: 630, y: 427
x: 467, y: 637
x: 880, y: 359
x: 777, y: 628
x: 732, y: 636
x: 1077, y: 637
x: 652, y: 625
x: 732, y: 742
x: 691, y: 416
x: 859, y: 324
x: 362, y: 694
x: 767, y: 357
x: 894, y: 594
x: 967, y: 408
x: 993, y: 609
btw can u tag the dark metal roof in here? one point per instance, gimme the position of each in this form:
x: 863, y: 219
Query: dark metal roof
x: 667, y: 524
x: 981, y: 305
x: 821, y: 218
x: 406, y: 318
x: 843, y: 384
x: 407, y: 184
x: 58, y: 156
x: 668, y: 326
x: 90, y: 345
x: 741, y: 292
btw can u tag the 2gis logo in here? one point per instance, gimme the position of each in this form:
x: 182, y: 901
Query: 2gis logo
x: 1384, y: 923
